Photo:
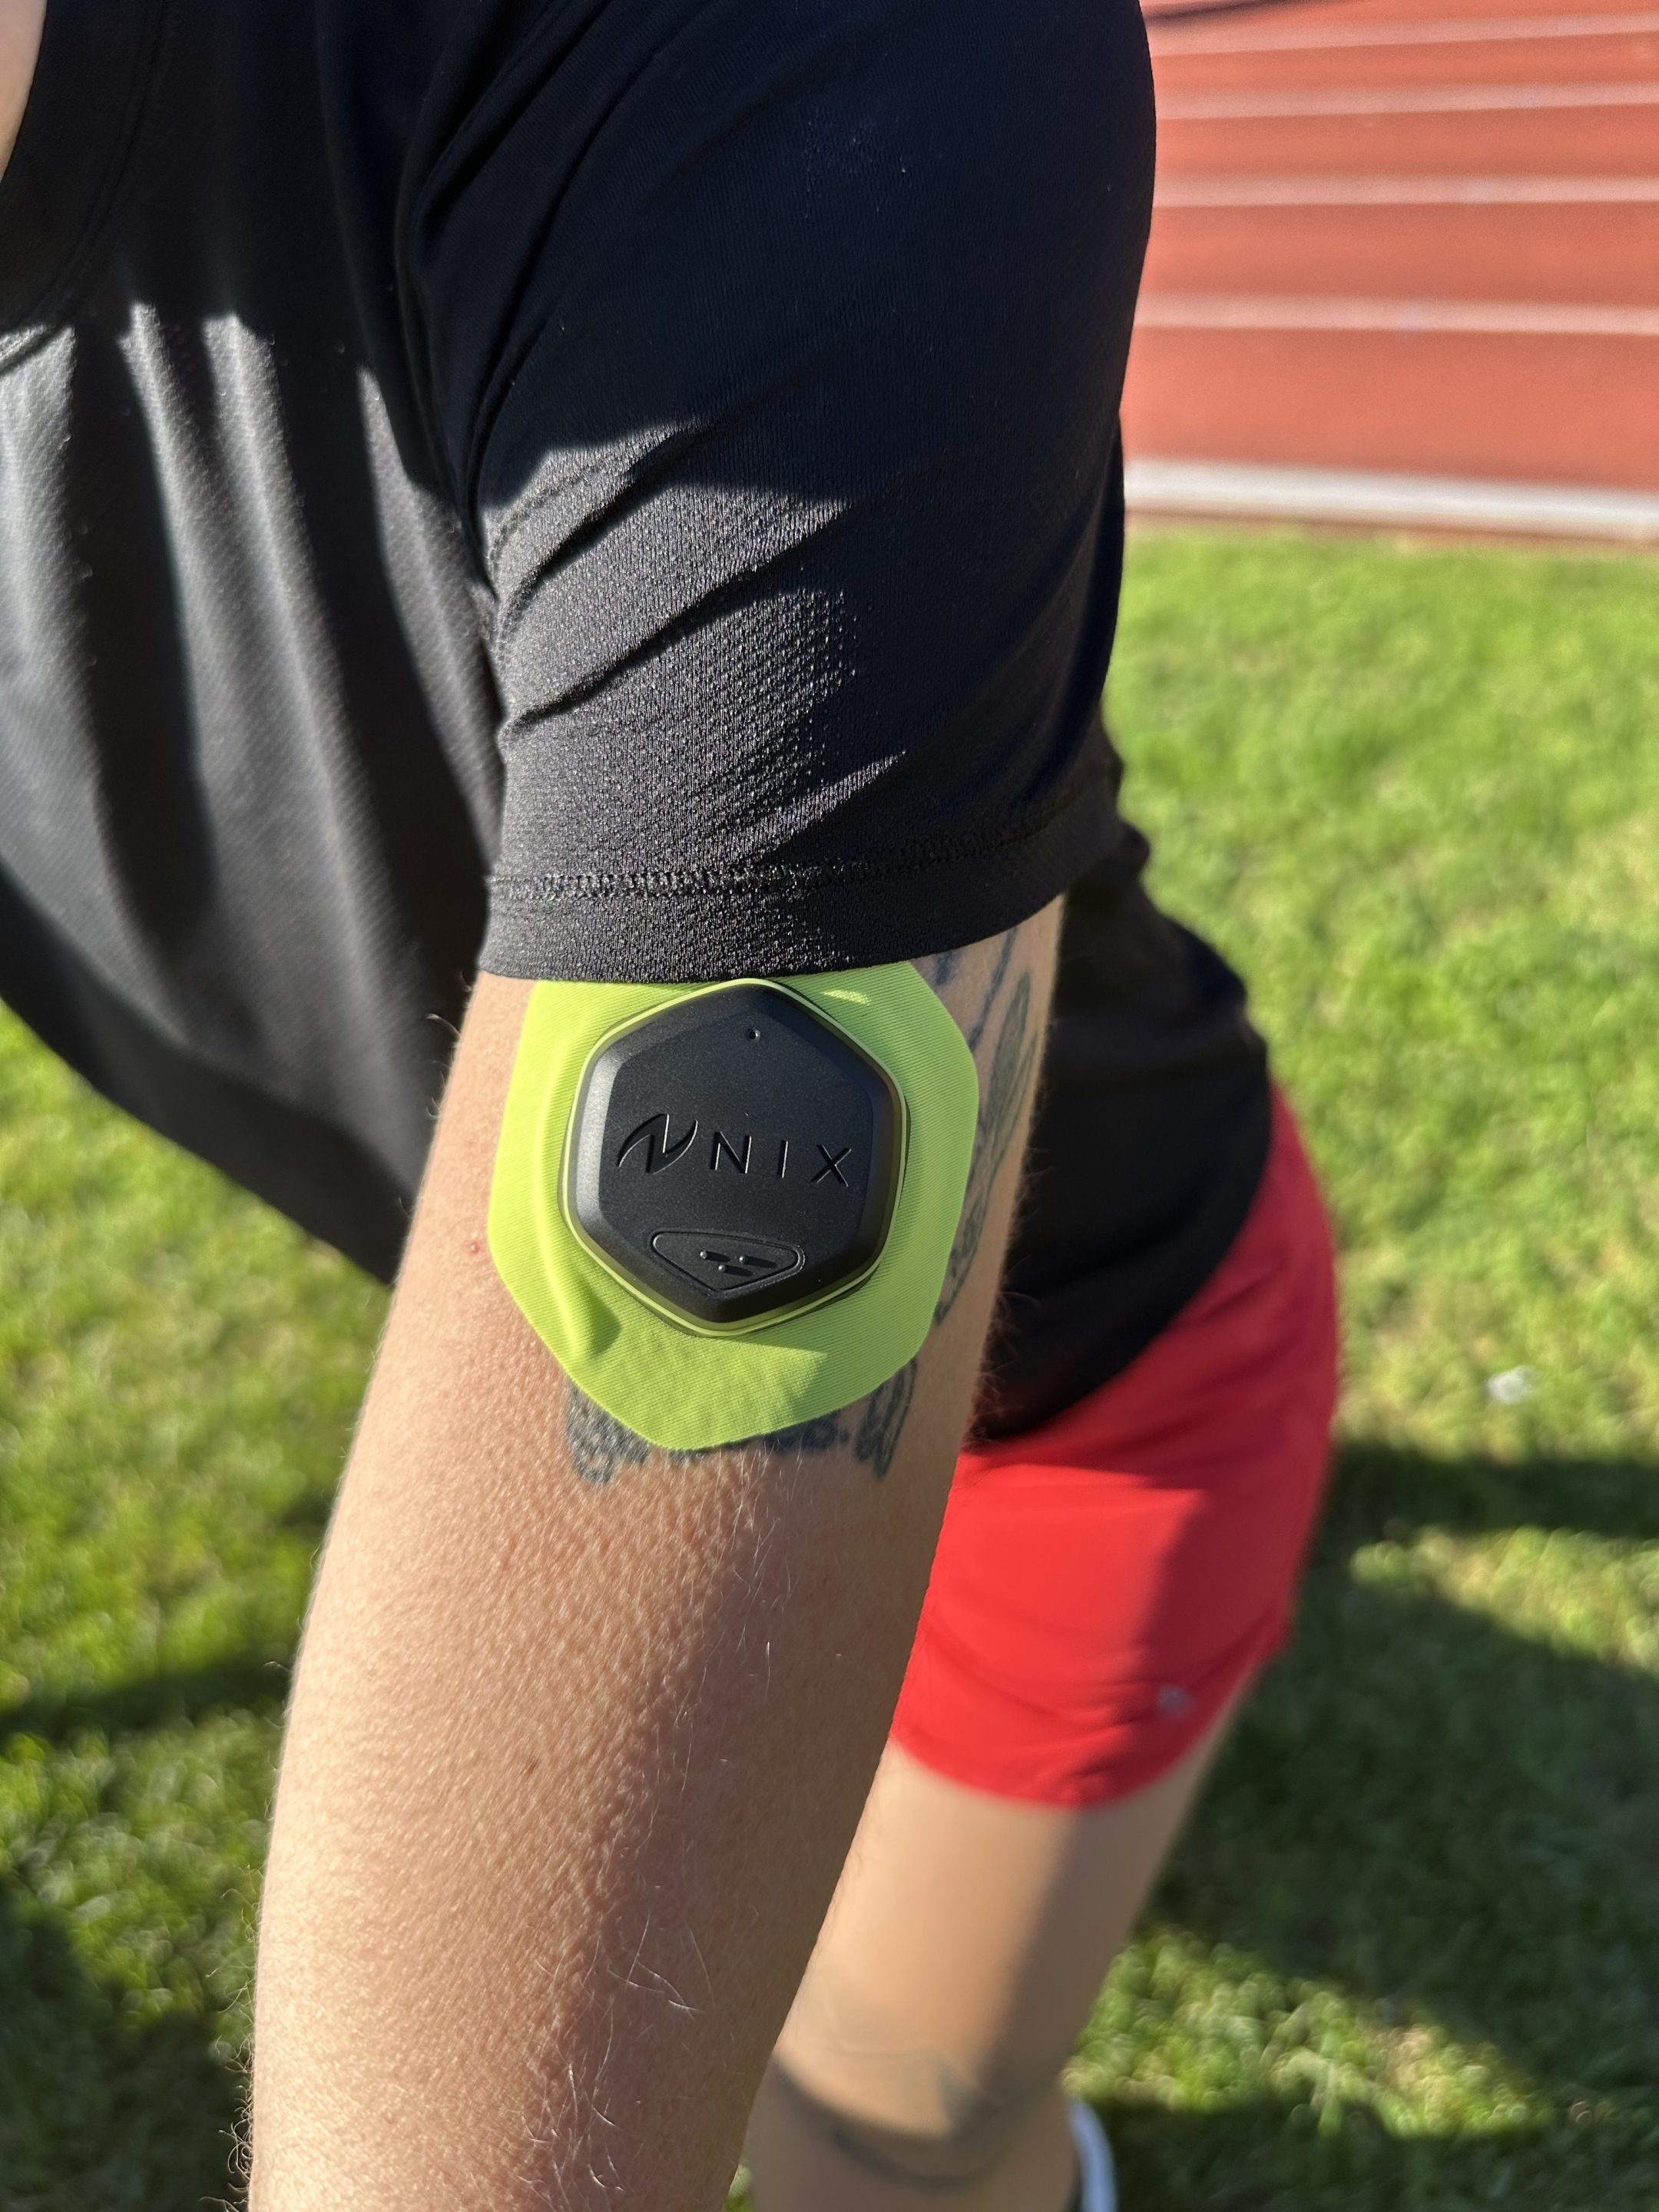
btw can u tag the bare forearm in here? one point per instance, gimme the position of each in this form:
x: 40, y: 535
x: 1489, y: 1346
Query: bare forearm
x: 582, y: 1729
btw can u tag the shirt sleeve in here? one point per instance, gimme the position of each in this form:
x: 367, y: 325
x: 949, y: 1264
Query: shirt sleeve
x: 774, y: 355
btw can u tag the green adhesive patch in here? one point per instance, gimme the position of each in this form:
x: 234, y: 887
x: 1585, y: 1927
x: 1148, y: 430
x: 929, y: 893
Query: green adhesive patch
x: 683, y: 1384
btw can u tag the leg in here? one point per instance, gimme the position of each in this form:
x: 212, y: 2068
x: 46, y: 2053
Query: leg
x: 966, y: 1943
x: 1105, y: 1588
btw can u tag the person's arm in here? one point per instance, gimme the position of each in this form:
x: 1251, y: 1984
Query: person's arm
x: 582, y: 1729
x: 20, y: 25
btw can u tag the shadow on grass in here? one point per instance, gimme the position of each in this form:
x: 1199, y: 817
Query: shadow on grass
x: 1265, y: 2156
x: 1449, y: 1823
x: 1381, y: 1492
x: 246, y: 1682
x: 99, y: 2113
x: 1452, y: 1824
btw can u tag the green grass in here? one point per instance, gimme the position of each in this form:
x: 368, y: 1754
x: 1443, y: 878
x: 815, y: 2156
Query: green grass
x: 1408, y: 1958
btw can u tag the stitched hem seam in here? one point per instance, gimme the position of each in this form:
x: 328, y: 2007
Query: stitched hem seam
x: 741, y: 881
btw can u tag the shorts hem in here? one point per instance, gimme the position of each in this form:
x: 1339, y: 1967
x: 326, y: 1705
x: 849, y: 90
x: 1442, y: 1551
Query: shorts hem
x: 1073, y: 1784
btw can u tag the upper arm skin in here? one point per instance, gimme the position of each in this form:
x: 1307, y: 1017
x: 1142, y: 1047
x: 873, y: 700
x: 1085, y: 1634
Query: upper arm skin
x: 582, y: 1729
x: 20, y: 24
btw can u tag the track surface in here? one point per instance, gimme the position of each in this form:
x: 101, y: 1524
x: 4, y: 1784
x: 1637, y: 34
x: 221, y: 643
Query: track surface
x: 1394, y: 237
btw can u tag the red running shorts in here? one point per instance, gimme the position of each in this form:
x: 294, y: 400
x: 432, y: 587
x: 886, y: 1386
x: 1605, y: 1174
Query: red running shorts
x: 1105, y: 1582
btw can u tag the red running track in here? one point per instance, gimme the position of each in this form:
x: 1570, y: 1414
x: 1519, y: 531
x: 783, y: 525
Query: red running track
x: 1393, y: 237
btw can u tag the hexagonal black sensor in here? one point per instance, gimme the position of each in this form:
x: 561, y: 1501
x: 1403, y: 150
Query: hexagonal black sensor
x: 734, y: 1155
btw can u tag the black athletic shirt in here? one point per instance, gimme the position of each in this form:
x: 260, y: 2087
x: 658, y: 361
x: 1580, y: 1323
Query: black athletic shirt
x: 599, y: 489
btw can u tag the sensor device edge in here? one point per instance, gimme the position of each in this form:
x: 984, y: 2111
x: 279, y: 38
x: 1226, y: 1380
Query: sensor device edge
x: 578, y: 1181
x: 673, y: 1383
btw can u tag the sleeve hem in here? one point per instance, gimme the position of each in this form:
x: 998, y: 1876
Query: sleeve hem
x: 772, y: 919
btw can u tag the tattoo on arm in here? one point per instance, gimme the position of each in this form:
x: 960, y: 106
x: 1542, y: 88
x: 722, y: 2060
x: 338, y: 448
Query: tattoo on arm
x: 1014, y: 1059
x: 600, y: 1447
x: 885, y: 1411
x: 938, y: 967
x: 993, y: 989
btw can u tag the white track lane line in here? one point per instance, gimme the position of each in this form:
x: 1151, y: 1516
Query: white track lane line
x: 1296, y: 311
x: 1203, y: 38
x: 1398, y: 100
x: 1194, y: 191
x: 1379, y: 499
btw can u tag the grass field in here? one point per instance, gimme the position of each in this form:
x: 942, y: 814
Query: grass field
x: 1408, y: 1958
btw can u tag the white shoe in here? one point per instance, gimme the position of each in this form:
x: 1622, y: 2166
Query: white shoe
x: 1096, y: 2191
